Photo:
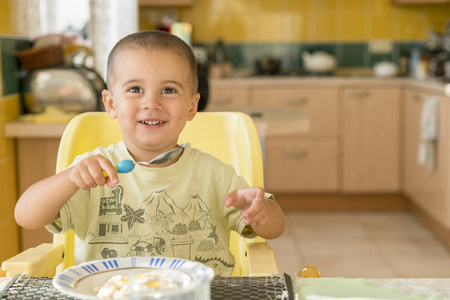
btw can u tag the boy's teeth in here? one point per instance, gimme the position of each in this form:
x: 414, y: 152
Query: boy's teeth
x: 152, y: 122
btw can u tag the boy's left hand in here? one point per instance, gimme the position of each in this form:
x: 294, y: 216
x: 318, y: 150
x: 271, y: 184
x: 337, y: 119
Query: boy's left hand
x: 251, y: 204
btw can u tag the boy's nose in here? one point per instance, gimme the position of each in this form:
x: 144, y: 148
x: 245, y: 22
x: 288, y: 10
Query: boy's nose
x: 152, y: 102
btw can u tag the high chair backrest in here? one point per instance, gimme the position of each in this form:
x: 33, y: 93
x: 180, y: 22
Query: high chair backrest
x: 229, y: 136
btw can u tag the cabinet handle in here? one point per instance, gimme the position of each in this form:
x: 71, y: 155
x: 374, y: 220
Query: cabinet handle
x: 356, y: 93
x: 221, y: 101
x: 295, y: 101
x: 295, y: 154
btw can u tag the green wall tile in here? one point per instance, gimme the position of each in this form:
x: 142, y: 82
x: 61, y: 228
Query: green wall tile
x: 10, y: 46
x: 348, y: 55
x: 355, y: 55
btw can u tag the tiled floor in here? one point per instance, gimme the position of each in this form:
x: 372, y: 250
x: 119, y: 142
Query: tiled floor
x: 360, y: 244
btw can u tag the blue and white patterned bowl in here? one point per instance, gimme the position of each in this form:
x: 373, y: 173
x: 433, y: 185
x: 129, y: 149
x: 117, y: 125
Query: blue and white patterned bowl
x: 84, y: 280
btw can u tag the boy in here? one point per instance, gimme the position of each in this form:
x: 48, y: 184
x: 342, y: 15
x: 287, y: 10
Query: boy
x: 185, y: 208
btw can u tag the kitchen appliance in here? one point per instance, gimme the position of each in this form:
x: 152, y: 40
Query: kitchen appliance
x: 267, y: 66
x: 71, y: 89
x: 319, y: 62
x: 385, y: 69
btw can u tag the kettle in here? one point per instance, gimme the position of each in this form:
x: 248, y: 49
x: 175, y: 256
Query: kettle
x: 72, y: 89
x: 319, y: 62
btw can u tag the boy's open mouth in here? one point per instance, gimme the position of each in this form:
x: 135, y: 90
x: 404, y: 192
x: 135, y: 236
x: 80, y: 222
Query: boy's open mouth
x: 152, y: 123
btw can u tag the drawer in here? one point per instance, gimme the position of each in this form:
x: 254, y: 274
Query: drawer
x: 320, y: 106
x: 296, y: 164
x: 228, y: 97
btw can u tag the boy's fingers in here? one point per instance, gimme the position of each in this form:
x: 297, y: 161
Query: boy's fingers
x: 109, y: 173
x: 111, y: 176
x: 111, y: 183
x: 254, y: 208
x: 230, y: 199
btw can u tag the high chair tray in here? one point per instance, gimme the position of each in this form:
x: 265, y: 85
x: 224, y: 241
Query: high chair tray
x: 271, y: 287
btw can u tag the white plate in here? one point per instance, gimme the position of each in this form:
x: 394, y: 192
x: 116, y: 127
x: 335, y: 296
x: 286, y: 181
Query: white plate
x: 84, y: 280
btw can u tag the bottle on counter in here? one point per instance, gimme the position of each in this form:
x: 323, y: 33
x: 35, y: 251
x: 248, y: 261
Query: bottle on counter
x: 417, y: 66
x: 403, y: 63
x: 219, y: 66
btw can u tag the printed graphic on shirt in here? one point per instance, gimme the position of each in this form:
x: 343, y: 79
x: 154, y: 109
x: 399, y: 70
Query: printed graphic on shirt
x: 158, y: 227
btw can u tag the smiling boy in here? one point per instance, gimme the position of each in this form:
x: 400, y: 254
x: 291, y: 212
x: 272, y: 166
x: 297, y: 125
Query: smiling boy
x: 185, y: 208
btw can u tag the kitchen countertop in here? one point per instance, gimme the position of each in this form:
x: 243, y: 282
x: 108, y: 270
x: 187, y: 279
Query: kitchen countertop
x: 430, y: 85
x: 18, y: 129
x: 268, y: 122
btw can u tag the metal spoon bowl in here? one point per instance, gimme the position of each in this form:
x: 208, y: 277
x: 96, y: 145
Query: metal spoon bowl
x: 127, y: 165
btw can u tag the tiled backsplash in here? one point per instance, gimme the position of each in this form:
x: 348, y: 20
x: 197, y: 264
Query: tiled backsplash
x: 348, y: 55
x: 10, y: 46
x: 285, y: 28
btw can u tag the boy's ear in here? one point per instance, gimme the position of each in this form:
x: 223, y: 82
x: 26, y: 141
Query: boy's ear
x: 193, y: 107
x: 109, y: 104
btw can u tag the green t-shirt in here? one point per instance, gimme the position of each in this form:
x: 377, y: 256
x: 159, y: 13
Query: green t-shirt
x: 176, y: 211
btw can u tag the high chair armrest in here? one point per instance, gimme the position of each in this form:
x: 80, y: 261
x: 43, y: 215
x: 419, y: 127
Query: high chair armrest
x: 40, y: 261
x: 261, y: 260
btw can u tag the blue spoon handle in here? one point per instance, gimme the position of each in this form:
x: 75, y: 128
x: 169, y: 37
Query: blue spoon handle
x: 123, y: 166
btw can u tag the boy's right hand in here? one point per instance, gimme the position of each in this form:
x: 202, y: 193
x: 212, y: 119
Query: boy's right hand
x: 88, y: 173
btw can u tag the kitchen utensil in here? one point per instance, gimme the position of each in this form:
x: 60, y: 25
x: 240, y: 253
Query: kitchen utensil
x: 267, y: 66
x: 319, y: 62
x: 71, y: 89
x: 385, y: 69
x: 127, y: 165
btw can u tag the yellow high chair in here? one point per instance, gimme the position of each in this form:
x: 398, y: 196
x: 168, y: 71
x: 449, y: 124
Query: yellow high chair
x: 229, y: 136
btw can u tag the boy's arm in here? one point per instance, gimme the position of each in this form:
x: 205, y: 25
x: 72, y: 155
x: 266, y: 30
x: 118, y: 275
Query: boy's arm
x: 264, y: 215
x: 40, y: 204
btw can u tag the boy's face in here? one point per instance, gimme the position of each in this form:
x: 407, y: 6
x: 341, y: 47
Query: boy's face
x: 151, y: 95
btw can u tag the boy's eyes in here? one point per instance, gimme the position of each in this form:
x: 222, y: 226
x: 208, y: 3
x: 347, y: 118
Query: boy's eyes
x: 135, y: 89
x: 169, y: 90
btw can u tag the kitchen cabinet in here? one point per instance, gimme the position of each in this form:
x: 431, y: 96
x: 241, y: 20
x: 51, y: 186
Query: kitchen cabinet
x: 428, y: 189
x: 419, y: 1
x: 228, y: 97
x: 166, y: 2
x: 37, y: 148
x: 370, y: 140
x: 307, y: 161
x: 296, y: 164
x: 319, y: 105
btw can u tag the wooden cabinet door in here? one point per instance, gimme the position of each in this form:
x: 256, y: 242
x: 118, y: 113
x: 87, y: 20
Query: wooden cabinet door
x: 426, y: 188
x: 228, y: 97
x: 371, y: 140
x: 320, y: 106
x: 298, y: 164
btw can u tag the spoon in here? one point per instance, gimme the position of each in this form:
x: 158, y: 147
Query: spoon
x: 127, y: 165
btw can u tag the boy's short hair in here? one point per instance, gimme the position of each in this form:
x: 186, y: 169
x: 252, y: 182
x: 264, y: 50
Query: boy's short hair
x: 154, y: 40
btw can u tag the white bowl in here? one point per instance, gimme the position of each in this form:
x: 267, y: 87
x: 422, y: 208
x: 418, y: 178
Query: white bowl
x: 385, y: 69
x: 84, y: 280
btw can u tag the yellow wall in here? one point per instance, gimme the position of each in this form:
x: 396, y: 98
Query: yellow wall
x: 9, y: 109
x: 305, y: 20
x: 4, y: 17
